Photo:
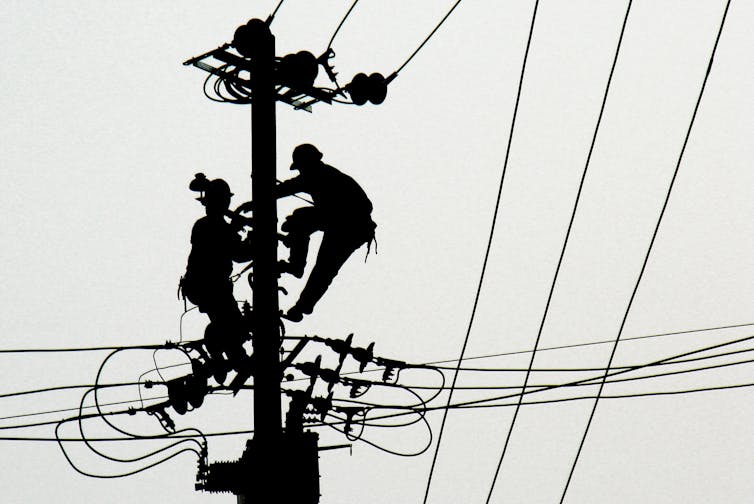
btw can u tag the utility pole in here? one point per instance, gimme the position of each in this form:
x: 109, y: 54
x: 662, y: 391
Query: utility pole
x: 248, y: 72
x: 266, y: 322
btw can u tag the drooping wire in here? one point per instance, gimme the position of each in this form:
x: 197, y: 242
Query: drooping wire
x: 103, y: 416
x: 649, y: 249
x: 562, y: 254
x: 428, y: 37
x: 491, y: 235
x: 121, y: 475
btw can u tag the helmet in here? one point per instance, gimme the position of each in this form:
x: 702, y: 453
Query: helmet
x: 305, y: 154
x: 216, y: 190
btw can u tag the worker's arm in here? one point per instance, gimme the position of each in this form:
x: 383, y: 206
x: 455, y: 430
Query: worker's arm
x: 286, y: 188
x: 290, y: 187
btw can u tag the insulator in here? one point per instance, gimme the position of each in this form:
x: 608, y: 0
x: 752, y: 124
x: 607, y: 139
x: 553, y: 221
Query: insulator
x: 252, y: 33
x: 377, y: 88
x: 358, y: 89
x: 298, y: 71
x: 177, y: 394
x: 365, y: 88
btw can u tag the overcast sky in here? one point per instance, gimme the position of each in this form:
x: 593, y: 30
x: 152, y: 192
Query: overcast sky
x: 104, y: 128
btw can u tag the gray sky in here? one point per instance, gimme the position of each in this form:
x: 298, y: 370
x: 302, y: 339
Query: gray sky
x: 104, y: 128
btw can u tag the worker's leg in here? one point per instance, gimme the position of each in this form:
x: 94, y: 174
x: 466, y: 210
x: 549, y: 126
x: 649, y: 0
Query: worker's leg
x: 299, y: 226
x: 334, y: 251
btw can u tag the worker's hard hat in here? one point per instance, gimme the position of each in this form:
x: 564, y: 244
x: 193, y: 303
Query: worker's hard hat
x: 305, y: 154
x: 216, y: 189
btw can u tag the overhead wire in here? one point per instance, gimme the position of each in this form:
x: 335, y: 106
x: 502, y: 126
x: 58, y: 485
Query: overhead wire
x: 492, y: 229
x: 412, y: 388
x: 80, y: 349
x: 343, y: 20
x: 431, y: 34
x: 584, y: 370
x: 602, y: 342
x: 562, y: 254
x: 649, y: 249
x: 394, y: 415
x: 271, y: 17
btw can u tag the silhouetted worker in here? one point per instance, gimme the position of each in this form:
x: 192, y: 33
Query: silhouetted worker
x: 215, y: 245
x: 341, y: 210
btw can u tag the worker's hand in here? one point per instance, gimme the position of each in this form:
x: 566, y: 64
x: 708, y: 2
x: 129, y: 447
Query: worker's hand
x: 245, y: 207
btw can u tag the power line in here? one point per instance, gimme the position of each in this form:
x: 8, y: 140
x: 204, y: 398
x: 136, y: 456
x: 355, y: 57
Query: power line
x: 615, y: 396
x: 649, y: 250
x: 492, y: 228
x: 562, y: 254
x: 573, y: 370
x: 587, y: 384
x: 576, y: 345
x: 271, y: 17
x: 335, y: 33
x: 87, y: 349
x: 65, y: 387
x: 428, y: 37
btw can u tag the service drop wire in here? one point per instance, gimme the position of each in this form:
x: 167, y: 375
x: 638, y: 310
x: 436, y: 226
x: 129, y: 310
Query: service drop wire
x: 649, y: 248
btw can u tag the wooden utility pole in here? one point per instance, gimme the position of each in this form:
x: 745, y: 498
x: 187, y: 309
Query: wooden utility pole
x: 266, y: 320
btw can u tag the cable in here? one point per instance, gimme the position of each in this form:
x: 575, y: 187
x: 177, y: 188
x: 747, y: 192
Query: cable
x: 68, y: 410
x: 386, y: 450
x: 572, y: 370
x: 618, y: 396
x: 431, y: 364
x: 563, y: 347
x: 329, y: 44
x: 562, y: 254
x: 118, y: 459
x: 586, y: 383
x: 527, y: 403
x: 271, y: 17
x: 107, y: 476
x: 425, y: 41
x: 63, y: 387
x: 615, y: 373
x: 649, y: 249
x: 410, y: 387
x: 81, y: 349
x: 492, y: 230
